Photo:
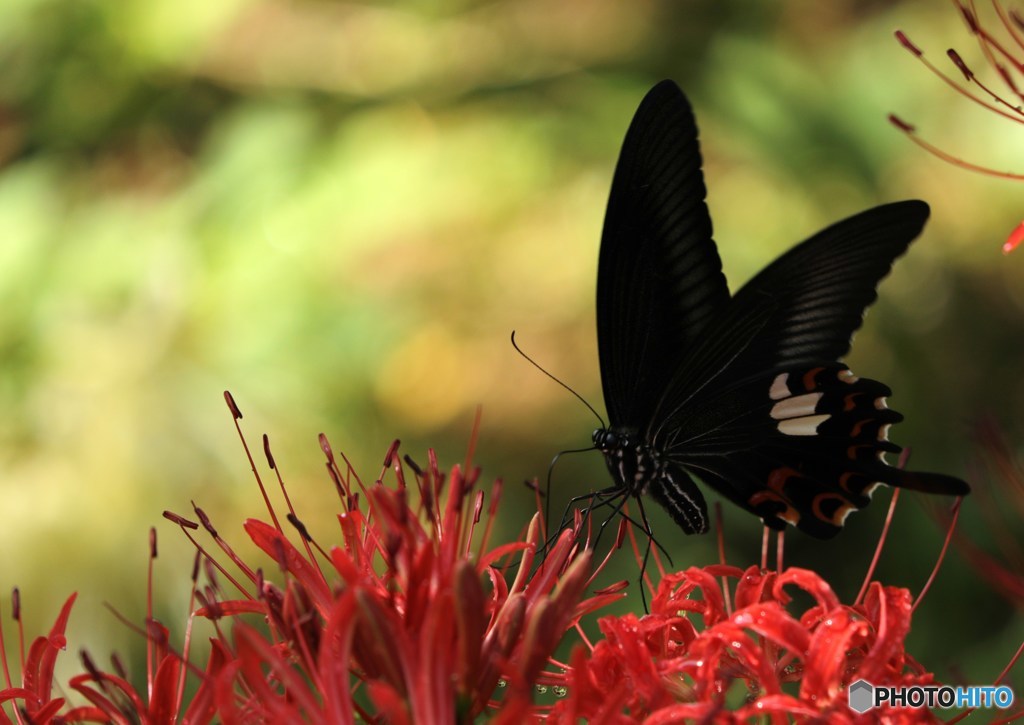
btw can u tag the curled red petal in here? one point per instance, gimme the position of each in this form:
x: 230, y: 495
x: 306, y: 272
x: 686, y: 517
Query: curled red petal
x: 498, y: 643
x: 811, y: 583
x: 671, y: 598
x: 753, y: 586
x: 99, y: 696
x: 826, y: 662
x: 770, y: 620
x: 888, y: 609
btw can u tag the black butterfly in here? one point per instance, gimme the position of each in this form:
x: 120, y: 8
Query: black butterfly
x: 745, y: 392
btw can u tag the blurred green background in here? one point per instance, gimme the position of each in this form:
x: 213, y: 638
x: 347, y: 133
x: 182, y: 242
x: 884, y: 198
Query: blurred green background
x: 340, y: 211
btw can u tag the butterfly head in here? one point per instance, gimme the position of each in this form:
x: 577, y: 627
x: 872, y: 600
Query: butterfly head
x: 607, y: 440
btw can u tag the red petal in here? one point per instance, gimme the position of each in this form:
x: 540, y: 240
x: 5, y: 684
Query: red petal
x: 164, y: 698
x: 826, y: 662
x: 754, y: 586
x: 673, y: 714
x: 255, y: 655
x: 334, y: 659
x: 811, y: 583
x: 42, y: 657
x: 233, y: 607
x: 770, y: 620
x: 390, y: 704
x: 202, y: 707
x: 779, y: 704
x: 1015, y: 238
x: 101, y: 699
x: 889, y: 610
x: 265, y: 536
x: 469, y: 621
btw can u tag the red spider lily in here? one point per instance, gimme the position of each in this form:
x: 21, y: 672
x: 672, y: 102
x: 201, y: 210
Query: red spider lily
x: 35, y: 694
x: 747, y: 657
x: 114, y: 697
x: 666, y: 666
x: 414, y: 616
x: 411, y: 618
x: 424, y: 634
x: 430, y: 625
x: 1003, y: 51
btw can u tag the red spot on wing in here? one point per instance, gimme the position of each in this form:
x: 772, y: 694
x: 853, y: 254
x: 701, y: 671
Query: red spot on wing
x: 809, y: 378
x: 789, y: 514
x: 778, y: 478
x: 853, y: 452
x: 858, y: 426
x: 838, y: 516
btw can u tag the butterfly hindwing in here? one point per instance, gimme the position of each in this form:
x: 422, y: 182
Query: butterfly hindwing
x: 810, y: 452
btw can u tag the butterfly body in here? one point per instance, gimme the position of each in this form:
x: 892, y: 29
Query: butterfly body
x: 743, y: 392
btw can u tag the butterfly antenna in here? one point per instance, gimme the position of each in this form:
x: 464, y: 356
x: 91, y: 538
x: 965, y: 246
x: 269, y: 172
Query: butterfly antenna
x: 537, y: 365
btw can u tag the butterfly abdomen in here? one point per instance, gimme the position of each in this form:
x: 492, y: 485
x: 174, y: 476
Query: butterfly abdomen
x: 639, y: 468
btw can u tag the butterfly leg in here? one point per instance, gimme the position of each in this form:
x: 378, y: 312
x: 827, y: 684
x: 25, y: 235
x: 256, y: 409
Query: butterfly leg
x: 646, y: 528
x: 604, y: 497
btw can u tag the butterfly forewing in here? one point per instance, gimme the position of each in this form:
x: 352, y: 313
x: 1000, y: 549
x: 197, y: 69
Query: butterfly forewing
x: 806, y: 305
x: 659, y: 279
x: 746, y: 393
x: 822, y: 287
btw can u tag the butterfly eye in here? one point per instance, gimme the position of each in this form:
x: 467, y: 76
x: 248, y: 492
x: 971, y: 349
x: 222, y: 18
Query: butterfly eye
x: 605, y: 440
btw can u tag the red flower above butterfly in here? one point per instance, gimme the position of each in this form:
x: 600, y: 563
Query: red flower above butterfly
x: 1003, y: 50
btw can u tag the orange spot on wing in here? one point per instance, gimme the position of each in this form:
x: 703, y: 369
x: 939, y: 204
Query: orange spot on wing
x: 846, y: 479
x: 778, y: 477
x: 840, y: 514
x: 858, y: 426
x: 789, y: 514
x: 809, y: 376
